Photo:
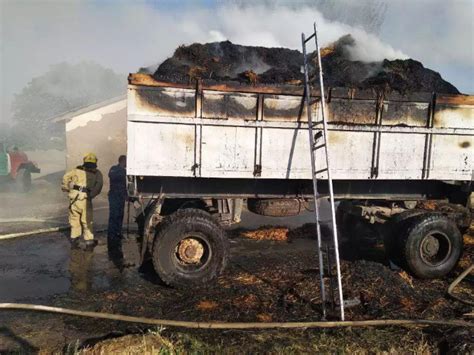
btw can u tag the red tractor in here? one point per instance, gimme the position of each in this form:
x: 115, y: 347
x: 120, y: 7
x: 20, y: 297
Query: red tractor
x: 16, y: 167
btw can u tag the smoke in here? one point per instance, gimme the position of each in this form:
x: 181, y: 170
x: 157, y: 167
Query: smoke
x: 366, y: 14
x: 271, y: 28
x: 438, y: 33
x: 125, y: 36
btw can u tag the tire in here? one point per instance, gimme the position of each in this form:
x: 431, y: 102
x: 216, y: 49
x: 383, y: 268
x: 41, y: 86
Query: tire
x: 431, y: 245
x: 391, y: 234
x: 190, y: 248
x: 23, y: 180
x: 344, y: 221
x: 350, y: 229
x: 275, y: 207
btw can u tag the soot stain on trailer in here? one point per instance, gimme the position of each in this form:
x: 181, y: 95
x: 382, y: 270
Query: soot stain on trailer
x: 167, y: 102
x: 454, y: 117
x: 242, y: 107
x: 405, y: 113
x: 229, y: 106
x: 185, y: 138
x: 286, y: 108
x: 465, y: 144
x: 213, y: 106
x: 335, y: 137
x: 352, y: 111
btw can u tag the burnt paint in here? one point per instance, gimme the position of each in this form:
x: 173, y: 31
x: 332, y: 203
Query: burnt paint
x: 296, y: 113
x: 160, y: 102
x: 225, y: 106
x: 405, y: 113
x: 352, y: 111
x: 297, y: 90
x: 464, y: 116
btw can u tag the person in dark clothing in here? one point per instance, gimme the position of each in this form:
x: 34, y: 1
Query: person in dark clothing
x: 117, y: 199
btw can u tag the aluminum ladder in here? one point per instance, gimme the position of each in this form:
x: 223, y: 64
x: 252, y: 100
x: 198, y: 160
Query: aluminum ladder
x: 318, y: 140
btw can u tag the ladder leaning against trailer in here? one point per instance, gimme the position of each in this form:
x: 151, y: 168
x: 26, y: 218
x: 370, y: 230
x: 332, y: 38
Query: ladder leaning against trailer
x: 318, y: 141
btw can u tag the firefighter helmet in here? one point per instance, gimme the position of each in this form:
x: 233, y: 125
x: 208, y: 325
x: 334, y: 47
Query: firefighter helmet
x: 90, y: 158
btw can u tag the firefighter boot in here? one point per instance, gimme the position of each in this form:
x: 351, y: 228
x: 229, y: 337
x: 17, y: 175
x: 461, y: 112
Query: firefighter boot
x: 90, y: 244
x: 74, y: 243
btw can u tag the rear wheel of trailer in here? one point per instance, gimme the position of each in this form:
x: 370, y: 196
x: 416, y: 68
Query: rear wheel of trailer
x: 430, y: 245
x: 427, y: 244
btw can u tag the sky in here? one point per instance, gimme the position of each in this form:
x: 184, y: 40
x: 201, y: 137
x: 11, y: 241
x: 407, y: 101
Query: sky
x: 126, y: 35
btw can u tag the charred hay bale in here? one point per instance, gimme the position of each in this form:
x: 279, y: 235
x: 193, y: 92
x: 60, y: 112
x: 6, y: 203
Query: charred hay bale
x: 226, y: 61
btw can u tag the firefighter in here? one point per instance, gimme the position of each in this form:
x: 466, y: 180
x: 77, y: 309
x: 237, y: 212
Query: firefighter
x: 117, y: 199
x: 82, y: 184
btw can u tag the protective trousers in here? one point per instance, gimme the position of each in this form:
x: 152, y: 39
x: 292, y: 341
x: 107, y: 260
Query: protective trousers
x: 116, y: 213
x: 81, y: 219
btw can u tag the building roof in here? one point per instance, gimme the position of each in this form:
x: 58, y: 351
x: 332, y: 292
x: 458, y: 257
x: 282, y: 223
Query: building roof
x: 67, y: 116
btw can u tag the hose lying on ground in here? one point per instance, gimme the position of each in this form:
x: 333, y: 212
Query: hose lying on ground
x: 37, y: 231
x: 42, y: 219
x: 28, y: 219
x: 235, y: 325
x: 456, y: 282
x: 45, y: 230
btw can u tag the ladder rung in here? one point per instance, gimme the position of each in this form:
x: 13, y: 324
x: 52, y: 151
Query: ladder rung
x: 312, y: 102
x: 309, y: 38
x: 316, y: 147
x: 328, y: 246
x: 320, y: 171
x: 316, y: 123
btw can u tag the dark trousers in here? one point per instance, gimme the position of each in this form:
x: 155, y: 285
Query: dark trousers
x: 116, y: 212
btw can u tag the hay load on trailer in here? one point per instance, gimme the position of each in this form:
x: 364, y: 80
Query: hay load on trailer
x: 201, y: 145
x: 228, y: 62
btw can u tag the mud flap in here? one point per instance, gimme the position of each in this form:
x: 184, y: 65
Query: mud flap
x: 152, y: 219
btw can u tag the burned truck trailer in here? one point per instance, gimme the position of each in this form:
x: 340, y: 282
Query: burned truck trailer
x: 196, y: 152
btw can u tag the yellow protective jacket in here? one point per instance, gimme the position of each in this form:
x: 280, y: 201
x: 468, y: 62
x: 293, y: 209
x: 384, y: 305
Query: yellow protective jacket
x: 90, y: 180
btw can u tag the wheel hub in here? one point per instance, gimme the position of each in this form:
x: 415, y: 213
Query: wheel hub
x: 190, y: 251
x: 430, y: 246
x: 435, y: 248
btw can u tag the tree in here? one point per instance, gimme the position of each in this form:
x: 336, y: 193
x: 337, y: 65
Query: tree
x: 63, y: 88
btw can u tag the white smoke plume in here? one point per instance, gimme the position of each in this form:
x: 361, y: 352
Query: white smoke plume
x: 124, y: 36
x: 272, y: 29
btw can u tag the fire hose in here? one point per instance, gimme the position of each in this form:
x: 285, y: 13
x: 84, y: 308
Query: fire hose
x: 33, y: 232
x: 235, y: 325
x: 456, y: 282
x: 43, y: 231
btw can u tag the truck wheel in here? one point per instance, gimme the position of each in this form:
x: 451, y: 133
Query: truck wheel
x: 190, y: 248
x: 275, y: 207
x: 345, y: 222
x: 391, y: 234
x: 431, y: 245
x: 23, y: 180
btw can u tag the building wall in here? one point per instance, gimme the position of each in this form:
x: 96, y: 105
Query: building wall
x: 102, y: 131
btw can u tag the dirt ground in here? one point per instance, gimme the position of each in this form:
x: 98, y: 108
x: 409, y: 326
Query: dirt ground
x: 272, y: 276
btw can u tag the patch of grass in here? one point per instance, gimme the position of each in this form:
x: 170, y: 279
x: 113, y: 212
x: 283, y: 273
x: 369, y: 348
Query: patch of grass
x: 390, y: 340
